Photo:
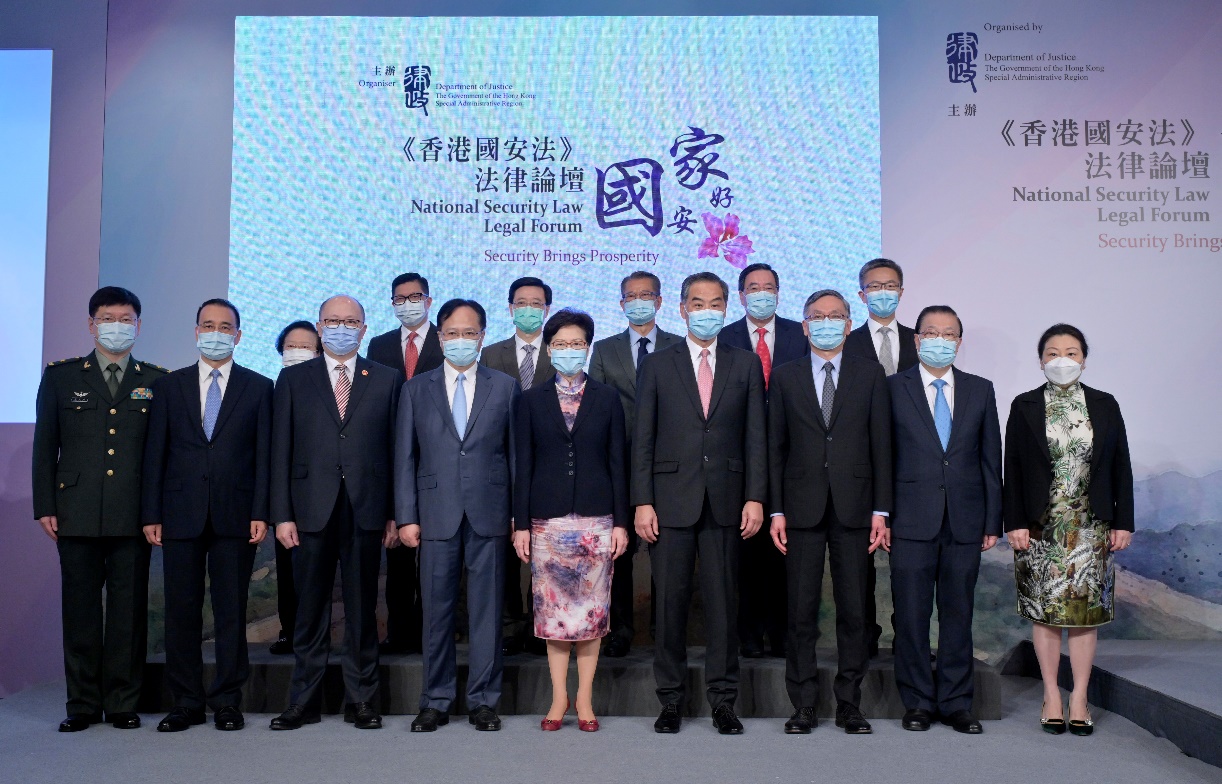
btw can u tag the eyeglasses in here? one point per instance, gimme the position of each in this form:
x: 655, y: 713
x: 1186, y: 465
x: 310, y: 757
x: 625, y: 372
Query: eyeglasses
x: 891, y: 286
x: 128, y: 320
x: 350, y: 323
x: 580, y: 345
x: 647, y: 296
x: 826, y: 317
x: 534, y: 303
x: 399, y: 299
x: 929, y: 334
x: 466, y: 334
x: 209, y: 326
x: 753, y: 288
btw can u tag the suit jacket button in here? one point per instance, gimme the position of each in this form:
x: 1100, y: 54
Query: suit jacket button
x: 112, y: 431
x: 825, y: 465
x: 341, y: 435
x: 209, y: 446
x: 110, y: 472
x: 110, y: 451
x: 942, y: 488
x: 829, y: 438
x: 706, y: 458
x: 464, y: 454
x: 946, y: 462
x: 570, y: 473
x: 113, y: 411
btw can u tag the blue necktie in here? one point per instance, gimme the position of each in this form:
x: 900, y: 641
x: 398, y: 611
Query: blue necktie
x: 459, y: 407
x: 941, y: 413
x: 212, y: 406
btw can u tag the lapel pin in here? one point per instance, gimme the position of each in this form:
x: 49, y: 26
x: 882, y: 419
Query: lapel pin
x: 364, y: 372
x: 86, y: 364
x: 137, y: 368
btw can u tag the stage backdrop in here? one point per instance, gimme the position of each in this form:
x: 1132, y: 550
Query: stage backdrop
x: 1040, y: 162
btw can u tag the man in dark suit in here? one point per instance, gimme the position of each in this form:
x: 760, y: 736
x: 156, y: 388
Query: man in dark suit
x: 331, y: 498
x: 92, y: 413
x: 453, y: 474
x: 699, y: 480
x: 775, y: 340
x: 886, y: 341
x: 947, y: 443
x: 615, y: 362
x: 411, y: 349
x: 523, y: 357
x: 829, y: 438
x: 206, y: 505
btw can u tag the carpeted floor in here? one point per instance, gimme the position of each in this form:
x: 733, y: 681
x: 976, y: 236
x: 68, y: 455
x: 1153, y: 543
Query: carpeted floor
x: 625, y: 750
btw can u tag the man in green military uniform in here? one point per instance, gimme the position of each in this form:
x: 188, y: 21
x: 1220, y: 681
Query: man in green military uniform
x: 88, y: 447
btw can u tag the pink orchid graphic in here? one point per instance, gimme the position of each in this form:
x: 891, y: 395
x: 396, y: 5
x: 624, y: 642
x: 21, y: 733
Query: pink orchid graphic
x: 723, y: 237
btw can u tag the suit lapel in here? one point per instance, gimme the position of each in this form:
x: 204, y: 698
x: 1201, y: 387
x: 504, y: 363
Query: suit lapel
x: 323, y: 382
x: 1099, y: 423
x: 552, y: 404
x: 725, y: 366
x: 962, y: 399
x: 189, y: 387
x: 848, y: 377
x: 806, y: 383
x: 482, y: 390
x: 868, y: 341
x: 132, y: 377
x: 91, y: 368
x: 360, y: 382
x: 233, y: 392
x: 623, y: 352
x: 687, y: 377
x: 908, y: 352
x: 430, y: 351
x: 1033, y: 411
x: 438, y: 390
x: 916, y: 391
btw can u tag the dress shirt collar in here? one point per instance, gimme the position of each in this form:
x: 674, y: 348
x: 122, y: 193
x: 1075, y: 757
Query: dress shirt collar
x: 536, y: 341
x: 205, y: 371
x: 332, y: 362
x: 634, y: 337
x: 769, y: 326
x: 875, y: 326
x: 103, y: 362
x: 695, y: 348
x: 817, y: 361
x: 451, y: 374
x: 927, y: 378
x: 420, y: 329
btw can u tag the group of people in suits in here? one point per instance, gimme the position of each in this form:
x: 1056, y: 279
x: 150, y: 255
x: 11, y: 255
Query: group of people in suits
x: 553, y: 450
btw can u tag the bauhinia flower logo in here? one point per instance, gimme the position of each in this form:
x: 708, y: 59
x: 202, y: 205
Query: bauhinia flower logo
x: 725, y: 241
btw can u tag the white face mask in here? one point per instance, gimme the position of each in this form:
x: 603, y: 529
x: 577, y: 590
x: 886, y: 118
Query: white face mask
x: 1062, y: 371
x: 295, y: 356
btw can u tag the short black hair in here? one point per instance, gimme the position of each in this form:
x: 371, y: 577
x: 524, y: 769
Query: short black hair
x: 452, y: 305
x: 703, y: 277
x: 520, y: 282
x: 410, y: 277
x: 284, y: 335
x: 653, y: 279
x: 1063, y: 329
x: 756, y: 267
x: 943, y: 309
x: 820, y: 294
x: 874, y: 264
x: 113, y: 295
x: 237, y: 317
x: 568, y: 317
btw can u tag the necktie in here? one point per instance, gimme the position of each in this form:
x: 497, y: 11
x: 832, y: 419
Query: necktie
x: 459, y: 407
x: 212, y: 403
x: 884, y: 350
x: 526, y: 370
x: 829, y: 393
x: 641, y: 350
x: 761, y: 348
x: 112, y: 380
x: 343, y: 387
x: 941, y: 413
x: 704, y: 380
x: 411, y: 355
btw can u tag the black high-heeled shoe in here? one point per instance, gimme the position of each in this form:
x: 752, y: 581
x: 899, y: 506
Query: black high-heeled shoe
x: 1052, y: 726
x: 1081, y: 728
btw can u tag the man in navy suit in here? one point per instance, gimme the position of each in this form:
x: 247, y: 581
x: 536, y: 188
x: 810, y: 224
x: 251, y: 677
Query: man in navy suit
x: 453, y: 474
x: 333, y: 425
x: 775, y: 340
x: 411, y: 348
x: 205, y: 503
x: 947, y: 446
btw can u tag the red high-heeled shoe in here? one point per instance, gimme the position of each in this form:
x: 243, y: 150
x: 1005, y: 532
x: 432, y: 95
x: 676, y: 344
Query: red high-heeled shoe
x: 551, y: 725
x: 588, y: 726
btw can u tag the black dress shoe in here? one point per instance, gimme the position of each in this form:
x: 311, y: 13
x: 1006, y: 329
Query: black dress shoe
x: 751, y: 649
x: 616, y: 647
x: 228, y: 719
x: 295, y: 718
x: 484, y: 719
x: 365, y: 717
x: 801, y: 722
x: 963, y: 721
x: 282, y: 646
x: 124, y: 720
x: 916, y: 720
x: 668, y: 722
x: 429, y: 720
x: 79, y: 721
x: 181, y: 719
x: 726, y: 721
x: 849, y: 718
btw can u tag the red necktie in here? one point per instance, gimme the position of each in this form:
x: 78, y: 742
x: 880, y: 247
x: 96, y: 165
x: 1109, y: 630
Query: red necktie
x: 704, y: 381
x: 761, y: 348
x: 343, y: 388
x: 411, y: 355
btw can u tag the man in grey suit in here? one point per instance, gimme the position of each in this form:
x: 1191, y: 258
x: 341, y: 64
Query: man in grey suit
x: 615, y: 363
x: 453, y: 472
x: 524, y: 358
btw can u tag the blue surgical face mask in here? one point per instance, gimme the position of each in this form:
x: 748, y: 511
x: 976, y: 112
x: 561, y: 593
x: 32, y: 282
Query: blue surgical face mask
x: 882, y: 303
x: 761, y: 304
x: 569, y: 361
x: 528, y: 319
x: 937, y: 352
x: 341, y: 339
x: 640, y: 312
x: 214, y: 345
x: 826, y: 334
x: 410, y: 314
x: 460, y: 351
x: 705, y: 324
x: 116, y: 337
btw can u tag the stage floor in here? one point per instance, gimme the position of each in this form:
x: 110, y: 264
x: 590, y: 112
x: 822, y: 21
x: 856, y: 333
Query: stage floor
x: 1013, y: 749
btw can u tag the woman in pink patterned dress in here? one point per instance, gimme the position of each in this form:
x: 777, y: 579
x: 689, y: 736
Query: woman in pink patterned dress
x: 570, y: 508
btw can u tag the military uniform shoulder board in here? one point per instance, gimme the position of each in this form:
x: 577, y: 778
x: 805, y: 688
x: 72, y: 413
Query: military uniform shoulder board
x: 155, y: 367
x: 63, y: 361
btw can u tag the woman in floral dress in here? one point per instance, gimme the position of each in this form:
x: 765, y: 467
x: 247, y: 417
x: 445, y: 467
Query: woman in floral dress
x: 1068, y: 506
